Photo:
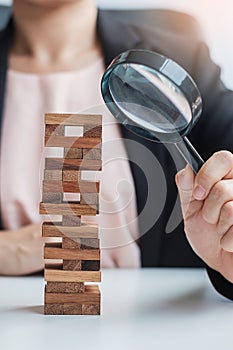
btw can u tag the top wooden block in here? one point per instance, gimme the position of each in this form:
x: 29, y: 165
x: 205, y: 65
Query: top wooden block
x: 73, y: 119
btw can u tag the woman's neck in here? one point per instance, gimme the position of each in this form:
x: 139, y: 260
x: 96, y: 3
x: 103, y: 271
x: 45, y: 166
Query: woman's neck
x: 54, y: 38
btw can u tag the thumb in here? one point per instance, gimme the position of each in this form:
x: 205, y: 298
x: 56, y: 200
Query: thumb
x: 185, y: 184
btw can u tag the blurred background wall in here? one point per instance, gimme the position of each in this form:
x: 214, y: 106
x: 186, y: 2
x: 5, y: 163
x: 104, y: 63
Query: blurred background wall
x: 215, y: 17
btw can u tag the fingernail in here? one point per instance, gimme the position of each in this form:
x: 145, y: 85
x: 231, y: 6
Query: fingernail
x: 199, y: 192
x: 183, y: 182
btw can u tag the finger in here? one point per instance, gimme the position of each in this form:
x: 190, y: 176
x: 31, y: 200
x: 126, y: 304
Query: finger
x: 226, y: 218
x: 220, y: 193
x: 185, y: 183
x: 217, y: 167
x: 226, y: 241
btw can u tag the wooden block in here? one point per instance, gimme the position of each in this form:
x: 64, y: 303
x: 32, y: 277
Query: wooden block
x: 90, y: 265
x: 73, y: 119
x: 82, y: 298
x: 72, y: 265
x: 73, y: 187
x: 92, y: 309
x: 89, y: 243
x: 71, y: 220
x: 72, y: 309
x: 73, y: 142
x: 89, y: 198
x: 92, y: 131
x: 65, y: 287
x: 71, y: 175
x: 51, y: 175
x: 54, y: 273
x: 55, y: 130
x: 50, y: 229
x: 52, y: 197
x: 73, y: 153
x: 55, y: 251
x: 93, y: 153
x: 90, y: 296
x: 72, y: 164
x: 71, y: 243
x: 68, y: 208
x: 53, y: 309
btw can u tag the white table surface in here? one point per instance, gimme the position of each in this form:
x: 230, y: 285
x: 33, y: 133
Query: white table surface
x: 141, y: 309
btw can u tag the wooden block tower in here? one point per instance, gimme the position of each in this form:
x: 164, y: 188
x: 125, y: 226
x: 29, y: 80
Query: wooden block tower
x: 75, y: 259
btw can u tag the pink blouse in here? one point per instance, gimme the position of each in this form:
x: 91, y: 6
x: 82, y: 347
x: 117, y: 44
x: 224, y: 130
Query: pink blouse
x: 28, y: 98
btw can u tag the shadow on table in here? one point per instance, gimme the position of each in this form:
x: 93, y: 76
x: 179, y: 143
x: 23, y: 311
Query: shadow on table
x: 37, y: 309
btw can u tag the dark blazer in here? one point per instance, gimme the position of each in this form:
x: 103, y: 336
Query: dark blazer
x: 155, y: 189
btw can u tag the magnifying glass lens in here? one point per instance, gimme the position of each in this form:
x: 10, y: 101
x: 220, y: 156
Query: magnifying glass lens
x: 149, y: 99
x: 155, y: 98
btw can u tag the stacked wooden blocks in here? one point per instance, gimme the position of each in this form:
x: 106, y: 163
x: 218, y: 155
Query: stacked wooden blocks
x: 77, y: 251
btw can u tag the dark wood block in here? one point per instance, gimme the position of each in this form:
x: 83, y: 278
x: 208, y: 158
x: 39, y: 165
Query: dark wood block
x: 92, y: 131
x: 90, y: 265
x: 65, y: 287
x: 55, y: 130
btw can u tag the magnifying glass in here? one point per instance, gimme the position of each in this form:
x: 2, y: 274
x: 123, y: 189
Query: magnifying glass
x: 155, y: 98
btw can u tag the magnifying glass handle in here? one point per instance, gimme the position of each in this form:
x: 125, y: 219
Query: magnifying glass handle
x: 189, y: 153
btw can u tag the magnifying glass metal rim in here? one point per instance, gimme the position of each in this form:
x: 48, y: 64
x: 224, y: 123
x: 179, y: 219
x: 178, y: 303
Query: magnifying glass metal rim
x: 171, y: 71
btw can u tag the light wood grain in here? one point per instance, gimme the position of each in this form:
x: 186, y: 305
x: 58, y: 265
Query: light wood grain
x: 73, y: 153
x: 55, y: 251
x: 71, y: 220
x: 73, y: 142
x: 90, y: 296
x: 71, y: 187
x: 73, y: 119
x: 65, y: 287
x: 71, y: 175
x: 50, y: 229
x: 50, y: 175
x: 93, y: 153
x: 53, y: 197
x: 72, y: 164
x: 53, y: 274
x: 68, y: 208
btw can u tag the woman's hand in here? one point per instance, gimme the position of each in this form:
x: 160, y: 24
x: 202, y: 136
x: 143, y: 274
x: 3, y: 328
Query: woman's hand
x: 207, y: 207
x: 21, y: 251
